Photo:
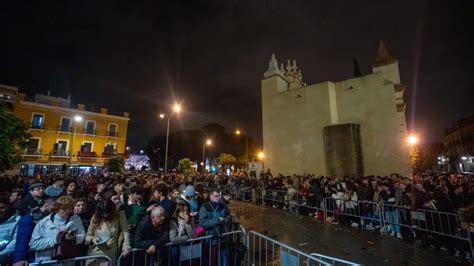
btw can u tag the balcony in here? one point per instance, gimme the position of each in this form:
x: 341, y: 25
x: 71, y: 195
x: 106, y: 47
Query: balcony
x: 36, y: 126
x: 89, y: 131
x: 111, y: 133
x: 32, y: 152
x: 59, y: 153
x: 64, y: 128
x: 109, y: 154
x: 86, y: 154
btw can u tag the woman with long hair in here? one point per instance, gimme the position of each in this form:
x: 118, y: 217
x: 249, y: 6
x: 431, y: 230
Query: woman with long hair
x: 181, y: 229
x: 106, y: 232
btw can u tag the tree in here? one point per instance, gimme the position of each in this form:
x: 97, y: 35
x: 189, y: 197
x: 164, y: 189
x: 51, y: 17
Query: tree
x: 184, y: 165
x: 116, y: 164
x: 422, y: 160
x: 13, y: 138
x: 226, y: 159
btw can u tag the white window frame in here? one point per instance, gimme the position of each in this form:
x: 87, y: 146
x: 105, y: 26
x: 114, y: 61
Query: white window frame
x: 39, y: 142
x: 67, y: 145
x: 91, y: 142
x: 116, y: 128
x: 61, y: 121
x: 37, y: 113
x: 85, y: 125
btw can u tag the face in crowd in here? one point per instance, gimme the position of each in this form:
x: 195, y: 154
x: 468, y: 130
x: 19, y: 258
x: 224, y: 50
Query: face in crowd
x: 214, y: 197
x: 37, y: 192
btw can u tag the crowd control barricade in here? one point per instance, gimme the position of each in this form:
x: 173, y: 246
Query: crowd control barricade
x: 334, y: 261
x: 353, y: 211
x: 264, y: 250
x: 441, y: 227
x: 79, y: 261
x: 225, y: 249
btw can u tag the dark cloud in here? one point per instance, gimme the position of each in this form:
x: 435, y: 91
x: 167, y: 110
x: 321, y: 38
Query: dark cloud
x: 140, y: 56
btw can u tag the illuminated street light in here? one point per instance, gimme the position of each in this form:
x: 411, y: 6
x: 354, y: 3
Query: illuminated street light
x: 238, y: 132
x: 128, y: 148
x: 261, y: 155
x: 207, y: 143
x: 412, y: 140
x: 78, y: 118
x: 176, y: 110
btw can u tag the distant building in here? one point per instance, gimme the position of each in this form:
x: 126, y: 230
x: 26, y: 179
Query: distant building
x: 458, y: 144
x: 64, y: 136
x: 349, y: 128
x: 8, y: 96
x: 137, y: 161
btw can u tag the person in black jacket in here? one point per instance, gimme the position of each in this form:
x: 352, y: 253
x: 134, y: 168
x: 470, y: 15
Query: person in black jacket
x: 33, y: 200
x: 152, y: 232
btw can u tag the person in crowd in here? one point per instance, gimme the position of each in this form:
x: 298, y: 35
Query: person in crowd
x: 56, y: 189
x: 8, y: 228
x: 22, y: 255
x: 152, y: 232
x: 107, y: 227
x: 181, y: 229
x: 15, y: 198
x: 62, y: 223
x: 134, y: 211
x: 80, y: 210
x: 160, y: 195
x: 214, y: 216
x: 194, y: 204
x: 33, y: 200
x: 71, y: 189
x: 391, y: 204
x: 119, y: 188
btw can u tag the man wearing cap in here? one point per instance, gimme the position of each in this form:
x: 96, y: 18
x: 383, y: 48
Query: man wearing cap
x: 33, y: 199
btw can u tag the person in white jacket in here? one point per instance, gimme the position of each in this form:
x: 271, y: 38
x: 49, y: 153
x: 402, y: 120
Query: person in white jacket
x: 49, y: 230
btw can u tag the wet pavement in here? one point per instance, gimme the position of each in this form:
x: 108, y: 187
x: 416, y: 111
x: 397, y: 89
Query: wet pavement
x: 353, y: 244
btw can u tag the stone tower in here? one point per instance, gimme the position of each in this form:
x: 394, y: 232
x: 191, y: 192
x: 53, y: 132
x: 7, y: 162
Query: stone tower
x: 350, y: 127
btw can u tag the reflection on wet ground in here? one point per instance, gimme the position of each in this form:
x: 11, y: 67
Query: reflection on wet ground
x: 354, y: 244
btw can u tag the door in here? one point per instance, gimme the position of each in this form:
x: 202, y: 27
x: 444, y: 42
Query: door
x: 65, y: 124
x: 87, y: 147
x: 62, y: 147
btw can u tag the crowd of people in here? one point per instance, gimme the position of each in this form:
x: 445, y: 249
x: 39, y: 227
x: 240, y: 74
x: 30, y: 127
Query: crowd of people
x: 111, y: 215
x: 55, y: 217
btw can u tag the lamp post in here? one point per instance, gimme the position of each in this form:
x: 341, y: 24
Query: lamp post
x: 261, y: 156
x: 176, y: 109
x: 207, y: 143
x: 77, y: 120
x: 238, y: 132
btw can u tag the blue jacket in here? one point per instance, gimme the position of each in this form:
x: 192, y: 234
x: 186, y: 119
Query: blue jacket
x: 8, y: 236
x: 209, y: 218
x: 25, y: 230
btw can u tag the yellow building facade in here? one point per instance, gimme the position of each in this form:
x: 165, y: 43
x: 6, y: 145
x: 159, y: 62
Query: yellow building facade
x: 61, y: 135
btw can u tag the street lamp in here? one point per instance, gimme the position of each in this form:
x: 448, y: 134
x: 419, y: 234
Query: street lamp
x: 77, y: 120
x: 412, y: 140
x: 207, y: 143
x: 261, y: 156
x: 238, y: 132
x: 176, y: 109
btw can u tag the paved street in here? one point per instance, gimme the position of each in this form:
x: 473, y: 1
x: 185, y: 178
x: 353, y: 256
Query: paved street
x: 353, y: 244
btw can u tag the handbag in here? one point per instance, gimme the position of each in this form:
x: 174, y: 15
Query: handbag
x: 66, y: 249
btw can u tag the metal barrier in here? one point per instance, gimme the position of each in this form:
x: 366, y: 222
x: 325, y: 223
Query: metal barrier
x: 276, y: 253
x: 84, y: 260
x: 334, y: 261
x: 206, y: 250
x: 444, y: 226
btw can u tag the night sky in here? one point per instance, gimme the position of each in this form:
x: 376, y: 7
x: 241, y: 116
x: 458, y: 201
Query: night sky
x: 140, y: 56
